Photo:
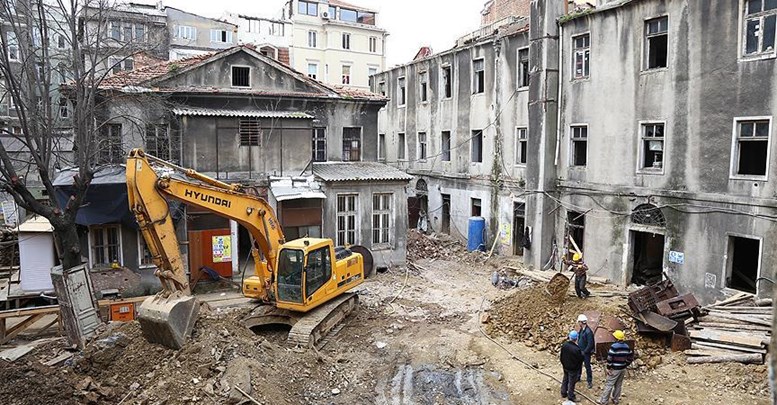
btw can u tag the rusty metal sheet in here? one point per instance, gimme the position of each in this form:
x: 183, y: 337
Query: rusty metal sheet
x: 646, y: 298
x: 661, y: 323
x: 603, y: 337
x: 680, y: 342
x: 679, y: 306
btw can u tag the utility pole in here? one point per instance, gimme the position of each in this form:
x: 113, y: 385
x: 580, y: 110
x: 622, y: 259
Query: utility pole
x: 496, y: 164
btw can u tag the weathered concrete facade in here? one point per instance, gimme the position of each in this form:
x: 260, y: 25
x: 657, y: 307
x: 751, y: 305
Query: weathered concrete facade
x: 192, y: 34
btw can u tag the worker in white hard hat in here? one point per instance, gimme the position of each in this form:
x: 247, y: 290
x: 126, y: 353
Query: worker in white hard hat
x: 619, y: 357
x: 587, y: 345
x: 578, y: 266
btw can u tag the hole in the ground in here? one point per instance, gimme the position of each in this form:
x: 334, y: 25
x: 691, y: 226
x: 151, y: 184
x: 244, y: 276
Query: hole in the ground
x: 274, y: 332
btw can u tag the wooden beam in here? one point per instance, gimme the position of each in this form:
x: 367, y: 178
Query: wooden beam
x: 727, y: 337
x: 48, y: 325
x: 741, y: 318
x: 16, y: 313
x: 753, y: 358
x: 707, y: 345
x: 19, y: 327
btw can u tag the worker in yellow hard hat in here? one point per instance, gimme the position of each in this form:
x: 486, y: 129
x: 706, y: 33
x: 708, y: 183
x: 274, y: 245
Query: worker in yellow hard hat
x: 619, y: 357
x: 578, y: 266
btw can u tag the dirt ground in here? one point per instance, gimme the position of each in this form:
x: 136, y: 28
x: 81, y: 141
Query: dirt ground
x: 416, y: 338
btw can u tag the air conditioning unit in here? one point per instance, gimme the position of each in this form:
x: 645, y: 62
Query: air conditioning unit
x: 325, y: 15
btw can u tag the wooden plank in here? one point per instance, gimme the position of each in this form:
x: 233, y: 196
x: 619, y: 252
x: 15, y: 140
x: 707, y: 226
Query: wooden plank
x: 708, y: 352
x: 59, y: 359
x: 16, y: 329
x: 733, y: 326
x: 742, y: 318
x: 707, y: 345
x: 753, y: 358
x: 15, y: 313
x: 736, y: 298
x: 15, y: 353
x: 48, y: 325
x: 727, y: 337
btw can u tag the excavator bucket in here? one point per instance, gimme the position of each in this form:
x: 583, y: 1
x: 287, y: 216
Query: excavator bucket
x: 168, y: 321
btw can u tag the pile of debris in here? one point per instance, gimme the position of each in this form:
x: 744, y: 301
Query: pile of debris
x: 439, y: 246
x: 733, y: 330
x: 9, y: 246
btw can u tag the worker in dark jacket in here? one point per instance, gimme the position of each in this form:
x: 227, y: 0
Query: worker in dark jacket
x: 619, y: 357
x: 587, y: 346
x: 572, y: 363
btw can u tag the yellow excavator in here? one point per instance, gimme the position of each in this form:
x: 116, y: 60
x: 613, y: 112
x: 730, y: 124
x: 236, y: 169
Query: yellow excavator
x: 303, y: 282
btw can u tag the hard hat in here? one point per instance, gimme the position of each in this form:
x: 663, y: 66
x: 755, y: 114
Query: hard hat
x: 576, y: 256
x: 618, y: 334
x: 573, y: 335
x: 582, y: 318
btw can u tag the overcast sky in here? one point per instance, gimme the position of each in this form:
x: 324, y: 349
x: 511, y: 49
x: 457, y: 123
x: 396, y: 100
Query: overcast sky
x: 410, y: 23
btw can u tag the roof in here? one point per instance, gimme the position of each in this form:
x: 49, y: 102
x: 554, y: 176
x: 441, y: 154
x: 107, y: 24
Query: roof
x: 145, y: 77
x: 338, y: 3
x: 358, y: 171
x: 214, y: 112
x: 116, y: 174
x: 296, y: 188
x: 36, y: 224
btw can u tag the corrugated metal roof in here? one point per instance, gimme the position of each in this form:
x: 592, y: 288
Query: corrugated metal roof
x: 211, y: 112
x: 36, y: 224
x: 358, y: 171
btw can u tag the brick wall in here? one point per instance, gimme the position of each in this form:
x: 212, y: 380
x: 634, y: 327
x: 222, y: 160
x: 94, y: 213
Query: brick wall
x: 495, y: 10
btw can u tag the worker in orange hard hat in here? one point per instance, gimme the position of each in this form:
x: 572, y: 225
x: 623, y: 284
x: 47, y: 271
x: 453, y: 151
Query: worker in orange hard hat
x: 578, y: 266
x: 619, y: 357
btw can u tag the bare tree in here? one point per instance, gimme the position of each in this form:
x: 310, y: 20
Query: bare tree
x: 55, y: 55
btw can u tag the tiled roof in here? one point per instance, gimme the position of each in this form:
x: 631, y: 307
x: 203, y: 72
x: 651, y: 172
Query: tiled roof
x: 358, y: 171
x: 213, y: 112
x: 143, y: 74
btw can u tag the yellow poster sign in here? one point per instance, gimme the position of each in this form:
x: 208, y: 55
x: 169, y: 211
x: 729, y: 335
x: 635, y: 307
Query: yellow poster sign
x: 222, y: 248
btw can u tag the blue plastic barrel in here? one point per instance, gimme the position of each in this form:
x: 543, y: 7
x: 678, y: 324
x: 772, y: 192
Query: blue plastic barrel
x: 475, y: 234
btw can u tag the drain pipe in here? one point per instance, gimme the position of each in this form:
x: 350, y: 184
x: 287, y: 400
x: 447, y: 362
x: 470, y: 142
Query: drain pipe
x: 558, y: 97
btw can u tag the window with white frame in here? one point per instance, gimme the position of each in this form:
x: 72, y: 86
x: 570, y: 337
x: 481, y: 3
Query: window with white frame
x: 64, y: 111
x: 521, y: 145
x: 423, y: 86
x: 312, y: 37
x: 652, y: 144
x: 381, y: 147
x: 346, y: 40
x: 477, y: 146
x: 381, y: 218
x: 401, y: 91
x: 145, y: 258
x: 656, y: 43
x: 760, y: 25
x: 523, y: 67
x: 307, y: 8
x: 401, y: 147
x: 319, y: 144
x: 347, y: 212
x: 187, y: 32
x: 112, y: 147
x: 105, y: 245
x: 12, y: 45
x: 346, y: 75
x: 751, y: 147
x: 478, y: 76
x: 221, y: 36
x: 373, y: 44
x: 313, y: 70
x: 422, y: 146
x: 579, y: 145
x: 581, y: 52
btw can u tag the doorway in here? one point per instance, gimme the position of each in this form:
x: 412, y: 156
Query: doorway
x: 743, y: 264
x: 446, y: 213
x: 647, y: 257
x: 576, y: 231
x: 519, y: 224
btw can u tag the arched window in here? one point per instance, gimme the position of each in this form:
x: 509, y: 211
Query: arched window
x: 648, y: 214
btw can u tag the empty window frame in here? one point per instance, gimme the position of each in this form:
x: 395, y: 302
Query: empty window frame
x: 373, y: 44
x: 477, y: 146
x: 346, y: 40
x: 352, y: 141
x: 112, y: 147
x: 401, y: 146
x: 307, y: 8
x: 186, y: 32
x: 241, y: 76
x: 347, y: 211
x: 422, y: 151
x: 652, y: 145
x: 312, y: 37
x: 401, y: 91
x: 445, y: 146
x: 319, y: 144
x: 158, y: 141
x: 581, y: 52
x: 12, y: 45
x: 760, y: 24
x: 521, y: 145
x: 478, y: 76
x: 656, y: 43
x: 221, y: 36
x: 382, y: 147
x: 744, y: 263
x: 447, y: 81
x: 382, y: 88
x: 381, y: 218
x: 313, y: 70
x: 250, y: 132
x: 64, y: 110
x: 579, y: 135
x: 423, y: 86
x: 476, y: 207
x: 523, y: 67
x: 61, y: 41
x: 751, y: 147
x: 346, y: 74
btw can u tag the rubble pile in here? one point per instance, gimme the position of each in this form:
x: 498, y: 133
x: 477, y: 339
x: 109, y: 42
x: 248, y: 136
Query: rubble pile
x: 439, y: 246
x: 536, y: 319
x: 9, y: 247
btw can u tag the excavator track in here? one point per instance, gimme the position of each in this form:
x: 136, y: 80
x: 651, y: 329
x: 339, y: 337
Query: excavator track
x: 307, y: 329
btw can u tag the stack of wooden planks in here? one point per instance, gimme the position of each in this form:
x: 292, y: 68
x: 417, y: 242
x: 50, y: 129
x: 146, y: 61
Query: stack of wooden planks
x: 732, y: 330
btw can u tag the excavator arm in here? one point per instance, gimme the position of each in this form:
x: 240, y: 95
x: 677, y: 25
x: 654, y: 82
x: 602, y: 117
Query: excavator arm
x: 169, y: 317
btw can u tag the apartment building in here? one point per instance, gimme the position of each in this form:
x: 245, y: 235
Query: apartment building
x: 643, y: 133
x: 271, y: 36
x: 336, y: 42
x: 193, y: 35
